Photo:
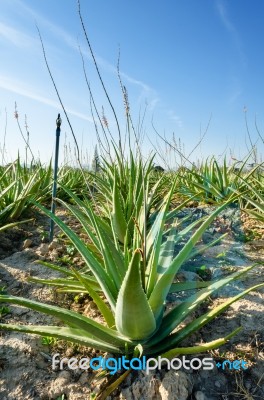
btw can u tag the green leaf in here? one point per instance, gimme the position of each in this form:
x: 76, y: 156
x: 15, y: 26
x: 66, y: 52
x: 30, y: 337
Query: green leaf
x: 133, y: 315
x: 174, y: 317
x: 118, y: 218
x: 162, y: 287
x: 69, y: 334
x: 183, y: 286
x: 107, y: 314
x: 75, y: 320
x: 215, y: 344
x: 198, y: 323
x: 100, y: 274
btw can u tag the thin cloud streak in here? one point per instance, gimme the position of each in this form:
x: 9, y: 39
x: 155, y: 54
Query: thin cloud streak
x: 146, y: 93
x: 231, y: 28
x: 224, y: 17
x: 72, y: 43
x: 176, y: 118
x: 16, y: 87
x: 15, y: 36
x: 237, y: 89
x: 234, y: 96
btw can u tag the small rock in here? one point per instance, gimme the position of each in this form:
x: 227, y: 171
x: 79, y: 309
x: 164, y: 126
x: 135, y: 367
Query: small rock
x: 43, y: 249
x: 199, y: 395
x: 58, y: 386
x: 61, y: 249
x: 54, y: 245
x: 175, y: 386
x: 83, y: 378
x: 69, y: 352
x: 145, y: 387
x: 190, y: 276
x: 207, y: 238
x: 54, y: 254
x: 41, y: 364
x: 92, y: 305
x: 27, y: 243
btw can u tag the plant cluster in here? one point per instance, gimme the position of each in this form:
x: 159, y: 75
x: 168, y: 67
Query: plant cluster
x: 131, y: 267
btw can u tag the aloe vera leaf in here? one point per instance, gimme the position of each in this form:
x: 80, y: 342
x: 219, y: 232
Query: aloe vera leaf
x: 162, y: 287
x: 71, y: 318
x: 133, y: 315
x: 183, y: 286
x: 118, y: 218
x: 214, y: 344
x: 102, y: 307
x: 180, y: 312
x: 70, y: 334
x: 100, y: 274
x: 199, y: 322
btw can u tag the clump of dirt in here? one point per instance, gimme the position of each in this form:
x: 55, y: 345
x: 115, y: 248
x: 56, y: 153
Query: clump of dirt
x: 35, y: 230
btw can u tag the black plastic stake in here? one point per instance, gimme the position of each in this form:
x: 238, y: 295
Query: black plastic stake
x: 54, y: 188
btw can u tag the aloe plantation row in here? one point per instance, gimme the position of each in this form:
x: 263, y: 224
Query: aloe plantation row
x: 211, y: 183
x: 129, y: 215
x: 20, y: 184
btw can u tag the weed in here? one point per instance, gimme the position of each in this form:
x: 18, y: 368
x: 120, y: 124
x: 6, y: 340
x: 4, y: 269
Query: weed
x: 4, y: 311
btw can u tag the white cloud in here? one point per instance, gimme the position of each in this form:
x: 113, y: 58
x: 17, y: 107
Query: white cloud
x: 234, y: 96
x: 176, y: 118
x: 19, y: 38
x: 224, y: 17
x: 15, y: 36
x: 19, y: 88
x: 146, y: 91
x: 231, y: 28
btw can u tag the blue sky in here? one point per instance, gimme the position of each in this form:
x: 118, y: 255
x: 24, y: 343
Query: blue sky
x: 189, y: 61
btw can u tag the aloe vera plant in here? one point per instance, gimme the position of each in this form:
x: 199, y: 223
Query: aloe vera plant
x: 135, y: 277
x: 18, y: 185
x: 214, y: 183
x: 254, y: 198
x: 120, y: 186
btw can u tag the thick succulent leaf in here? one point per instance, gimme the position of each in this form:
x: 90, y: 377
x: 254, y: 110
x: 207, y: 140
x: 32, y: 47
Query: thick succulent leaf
x: 167, y: 249
x: 255, y: 214
x: 84, y: 217
x: 214, y: 344
x: 71, y: 318
x: 59, y: 283
x: 113, y: 259
x: 102, y: 307
x: 100, y: 274
x: 63, y: 270
x: 202, y: 249
x: 118, y: 218
x: 13, y: 224
x: 112, y: 384
x: 162, y: 287
x: 166, y: 255
x: 70, y: 334
x: 175, y: 338
x: 133, y: 315
x: 183, y: 286
x: 66, y: 282
x: 154, y: 241
x: 174, y: 317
